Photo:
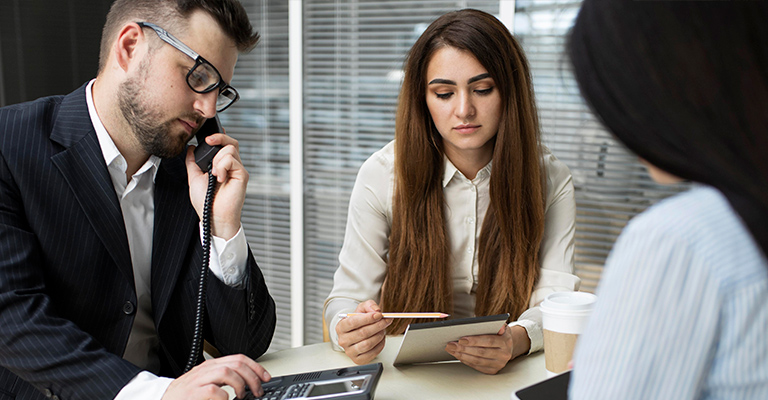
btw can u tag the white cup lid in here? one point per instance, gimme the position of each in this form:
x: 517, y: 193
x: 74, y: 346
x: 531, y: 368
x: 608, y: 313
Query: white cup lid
x: 569, y: 301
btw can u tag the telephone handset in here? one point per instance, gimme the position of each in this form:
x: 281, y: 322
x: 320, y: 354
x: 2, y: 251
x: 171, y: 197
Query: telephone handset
x: 204, y: 154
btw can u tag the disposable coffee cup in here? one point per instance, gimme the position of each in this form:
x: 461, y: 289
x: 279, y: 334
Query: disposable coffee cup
x: 564, y: 317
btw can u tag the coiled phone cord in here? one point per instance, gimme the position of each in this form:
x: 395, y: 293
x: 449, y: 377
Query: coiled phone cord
x: 197, y: 338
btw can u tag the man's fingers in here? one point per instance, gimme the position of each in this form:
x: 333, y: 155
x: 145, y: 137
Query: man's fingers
x: 237, y: 371
x: 256, y: 374
x: 213, y: 392
x: 227, y: 375
x: 226, y: 160
x: 222, y: 140
x: 205, y: 382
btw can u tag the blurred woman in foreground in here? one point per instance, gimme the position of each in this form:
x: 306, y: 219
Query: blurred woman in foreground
x: 682, y: 306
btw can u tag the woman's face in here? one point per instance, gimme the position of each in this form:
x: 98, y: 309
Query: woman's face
x: 464, y: 104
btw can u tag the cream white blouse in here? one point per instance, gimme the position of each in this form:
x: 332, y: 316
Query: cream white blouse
x: 362, y: 260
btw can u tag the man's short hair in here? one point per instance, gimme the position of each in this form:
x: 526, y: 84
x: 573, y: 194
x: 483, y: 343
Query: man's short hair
x: 173, y: 16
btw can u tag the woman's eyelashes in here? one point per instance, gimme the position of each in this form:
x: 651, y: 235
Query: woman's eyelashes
x: 480, y: 92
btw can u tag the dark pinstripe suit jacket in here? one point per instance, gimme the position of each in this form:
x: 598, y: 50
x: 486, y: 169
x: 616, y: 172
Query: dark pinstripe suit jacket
x: 66, y: 279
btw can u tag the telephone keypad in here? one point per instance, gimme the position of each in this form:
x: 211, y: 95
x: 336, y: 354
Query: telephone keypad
x: 283, y: 393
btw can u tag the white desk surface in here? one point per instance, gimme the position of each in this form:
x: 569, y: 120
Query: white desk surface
x: 447, y: 380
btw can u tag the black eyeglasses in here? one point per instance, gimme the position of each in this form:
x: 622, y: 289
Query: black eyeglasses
x: 203, y: 77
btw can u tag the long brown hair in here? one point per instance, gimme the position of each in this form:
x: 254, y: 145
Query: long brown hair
x: 418, y: 275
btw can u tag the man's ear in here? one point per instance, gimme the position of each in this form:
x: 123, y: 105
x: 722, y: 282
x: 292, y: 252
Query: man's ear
x: 129, y: 46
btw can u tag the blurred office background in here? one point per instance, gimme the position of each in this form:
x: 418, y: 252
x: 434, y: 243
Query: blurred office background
x: 318, y: 96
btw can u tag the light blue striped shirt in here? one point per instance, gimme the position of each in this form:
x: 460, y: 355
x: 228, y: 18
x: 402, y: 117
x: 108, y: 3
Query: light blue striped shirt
x: 682, y: 309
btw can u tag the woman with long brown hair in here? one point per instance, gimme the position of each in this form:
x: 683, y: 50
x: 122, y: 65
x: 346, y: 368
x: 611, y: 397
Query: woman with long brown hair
x: 465, y: 212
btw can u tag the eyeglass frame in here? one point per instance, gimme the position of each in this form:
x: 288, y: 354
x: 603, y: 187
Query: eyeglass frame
x: 199, y: 60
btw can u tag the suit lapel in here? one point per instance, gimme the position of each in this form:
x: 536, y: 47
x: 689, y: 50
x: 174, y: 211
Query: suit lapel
x: 83, y: 168
x: 175, y: 228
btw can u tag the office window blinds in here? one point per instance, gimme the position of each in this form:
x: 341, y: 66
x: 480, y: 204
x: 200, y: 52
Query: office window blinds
x: 611, y: 186
x: 354, y: 50
x: 259, y: 121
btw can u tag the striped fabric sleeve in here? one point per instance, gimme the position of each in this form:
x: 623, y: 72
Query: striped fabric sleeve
x: 681, y: 309
x: 652, y: 328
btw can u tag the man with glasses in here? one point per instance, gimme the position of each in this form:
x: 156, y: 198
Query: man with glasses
x: 100, y: 209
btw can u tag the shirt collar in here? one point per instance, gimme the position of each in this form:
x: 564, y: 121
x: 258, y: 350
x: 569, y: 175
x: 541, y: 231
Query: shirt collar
x: 108, y: 148
x: 451, y: 171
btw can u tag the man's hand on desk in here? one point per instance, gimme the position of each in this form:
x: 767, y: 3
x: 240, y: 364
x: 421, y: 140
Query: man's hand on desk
x: 490, y: 353
x: 363, y: 336
x: 205, y: 380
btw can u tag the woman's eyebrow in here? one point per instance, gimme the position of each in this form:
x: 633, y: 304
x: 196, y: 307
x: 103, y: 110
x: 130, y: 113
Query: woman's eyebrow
x: 478, y: 77
x: 450, y: 82
x: 441, y: 81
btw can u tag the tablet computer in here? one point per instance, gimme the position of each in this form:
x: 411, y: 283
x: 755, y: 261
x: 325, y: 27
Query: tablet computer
x: 554, y: 388
x: 425, y: 342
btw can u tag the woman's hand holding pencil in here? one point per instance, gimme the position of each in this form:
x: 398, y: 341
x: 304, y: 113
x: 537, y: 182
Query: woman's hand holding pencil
x: 404, y: 315
x: 362, y: 333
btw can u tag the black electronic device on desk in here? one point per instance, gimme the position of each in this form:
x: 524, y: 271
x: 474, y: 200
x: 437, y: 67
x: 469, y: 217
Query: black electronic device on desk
x: 349, y: 383
x: 554, y: 388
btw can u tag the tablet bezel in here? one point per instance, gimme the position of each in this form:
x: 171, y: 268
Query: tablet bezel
x: 425, y: 342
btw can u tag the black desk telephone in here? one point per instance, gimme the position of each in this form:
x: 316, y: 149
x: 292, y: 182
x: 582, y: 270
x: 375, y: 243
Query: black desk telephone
x: 204, y: 154
x: 352, y: 383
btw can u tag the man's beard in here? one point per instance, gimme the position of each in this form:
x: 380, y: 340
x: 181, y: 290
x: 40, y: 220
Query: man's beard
x: 155, y: 136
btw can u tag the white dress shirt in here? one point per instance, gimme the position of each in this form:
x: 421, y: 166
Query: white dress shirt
x: 137, y: 201
x: 362, y: 260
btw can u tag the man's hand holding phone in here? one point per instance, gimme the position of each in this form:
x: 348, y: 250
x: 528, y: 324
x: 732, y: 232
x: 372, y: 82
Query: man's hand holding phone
x: 232, y: 179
